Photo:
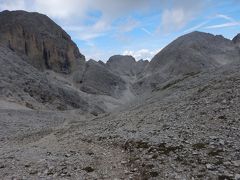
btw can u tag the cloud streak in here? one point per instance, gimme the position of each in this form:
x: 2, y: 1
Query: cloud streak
x: 147, y: 31
x: 231, y: 22
x: 224, y: 25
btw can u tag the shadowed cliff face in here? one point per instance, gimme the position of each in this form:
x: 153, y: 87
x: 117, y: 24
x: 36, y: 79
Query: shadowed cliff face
x: 40, y: 41
x: 236, y: 40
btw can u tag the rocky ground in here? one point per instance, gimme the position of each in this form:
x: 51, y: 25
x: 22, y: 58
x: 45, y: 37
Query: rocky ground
x: 187, y: 129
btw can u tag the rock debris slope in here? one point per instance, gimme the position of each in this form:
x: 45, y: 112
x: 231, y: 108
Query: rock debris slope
x: 175, y: 117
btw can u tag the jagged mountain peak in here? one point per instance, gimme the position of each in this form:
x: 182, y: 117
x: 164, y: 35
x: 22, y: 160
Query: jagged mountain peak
x: 236, y: 39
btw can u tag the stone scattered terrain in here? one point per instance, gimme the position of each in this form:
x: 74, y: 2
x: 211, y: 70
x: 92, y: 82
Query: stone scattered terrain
x: 175, y: 117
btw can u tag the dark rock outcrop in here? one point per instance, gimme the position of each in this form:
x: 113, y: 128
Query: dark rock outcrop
x: 236, y: 40
x: 40, y: 41
x: 126, y: 65
x: 98, y: 79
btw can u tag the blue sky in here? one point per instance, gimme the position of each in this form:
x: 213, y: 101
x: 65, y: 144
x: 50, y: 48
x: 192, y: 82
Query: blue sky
x: 141, y: 28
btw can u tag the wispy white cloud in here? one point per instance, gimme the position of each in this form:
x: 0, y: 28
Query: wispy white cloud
x: 179, y: 15
x: 224, y: 25
x: 173, y: 19
x: 147, y: 31
x: 226, y: 17
x: 142, y: 53
x: 198, y: 26
x: 231, y: 22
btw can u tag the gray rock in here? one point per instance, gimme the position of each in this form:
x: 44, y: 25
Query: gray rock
x: 98, y: 79
x: 126, y: 65
x: 236, y: 163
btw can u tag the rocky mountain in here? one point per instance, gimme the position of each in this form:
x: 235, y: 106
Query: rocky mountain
x: 188, y: 54
x: 126, y: 65
x: 194, y: 52
x: 98, y: 79
x: 40, y: 41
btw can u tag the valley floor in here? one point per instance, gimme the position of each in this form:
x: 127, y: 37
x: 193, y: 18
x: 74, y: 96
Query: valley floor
x: 187, y: 129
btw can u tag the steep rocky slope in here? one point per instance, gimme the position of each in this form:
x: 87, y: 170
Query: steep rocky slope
x: 40, y: 41
x: 23, y: 84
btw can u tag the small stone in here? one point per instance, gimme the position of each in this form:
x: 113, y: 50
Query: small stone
x: 210, y: 166
x: 90, y: 153
x: 221, y: 142
x: 33, y: 171
x: 153, y: 174
x: 27, y: 165
x: 88, y: 169
x: 2, y: 166
x: 213, y: 137
x: 195, y: 153
x: 227, y: 163
x: 45, y: 172
x: 126, y: 172
x: 237, y: 177
x: 236, y: 163
x: 67, y: 155
x: 123, y: 162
